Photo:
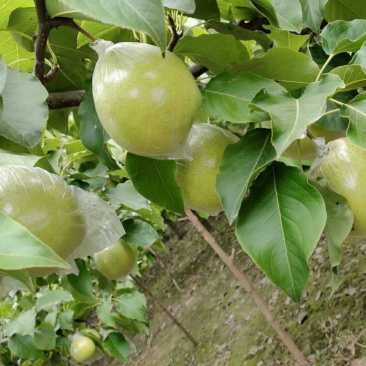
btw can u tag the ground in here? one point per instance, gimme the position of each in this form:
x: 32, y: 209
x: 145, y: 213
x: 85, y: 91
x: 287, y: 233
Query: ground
x: 224, y: 320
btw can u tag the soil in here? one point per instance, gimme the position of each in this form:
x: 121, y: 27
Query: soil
x: 230, y: 330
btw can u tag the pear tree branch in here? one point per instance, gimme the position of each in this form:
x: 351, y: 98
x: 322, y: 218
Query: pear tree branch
x: 247, y: 285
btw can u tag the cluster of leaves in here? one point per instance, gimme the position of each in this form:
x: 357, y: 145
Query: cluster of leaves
x: 272, y: 68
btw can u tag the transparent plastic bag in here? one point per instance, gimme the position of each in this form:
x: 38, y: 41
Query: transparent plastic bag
x: 197, y: 178
x: 343, y: 167
x: 145, y: 102
x: 73, y: 222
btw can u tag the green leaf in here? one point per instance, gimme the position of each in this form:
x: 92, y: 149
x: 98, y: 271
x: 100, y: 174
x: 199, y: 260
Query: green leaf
x: 71, y: 76
x: 215, y: 51
x: 155, y: 180
x: 13, y: 159
x: 359, y: 58
x: 240, y: 33
x: 104, y: 313
x: 141, y: 15
x: 227, y: 96
x: 92, y: 133
x: 24, y: 347
x: 344, y: 9
x: 81, y: 285
x: 23, y: 324
x: 3, y: 73
x: 117, y: 346
x: 64, y: 43
x: 206, y: 10
x: 355, y: 111
x: 279, y: 226
x: 126, y: 194
x: 313, y: 13
x: 100, y: 31
x: 292, y: 69
x: 284, y: 38
x: 132, y: 305
x: 290, y: 116
x: 339, y: 225
x: 265, y: 7
x: 20, y: 249
x: 353, y: 76
x: 342, y: 36
x: 241, y: 163
x: 25, y: 112
x: 289, y: 14
x: 53, y: 298
x: 66, y: 320
x: 14, y: 55
x: 45, y: 337
x: 20, y: 275
x: 185, y: 6
x: 22, y: 25
x: 139, y: 233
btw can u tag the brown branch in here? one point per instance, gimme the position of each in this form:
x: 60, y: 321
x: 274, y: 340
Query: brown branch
x: 162, y: 307
x: 41, y: 40
x: 67, y: 99
x: 310, y: 135
x: 197, y: 70
x: 162, y: 265
x: 51, y: 74
x: 68, y: 22
x: 45, y: 25
x: 176, y: 36
x: 245, y: 282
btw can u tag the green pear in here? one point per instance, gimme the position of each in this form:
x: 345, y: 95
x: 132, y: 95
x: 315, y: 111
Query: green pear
x: 116, y: 261
x: 197, y: 178
x: 45, y: 205
x: 82, y: 349
x: 344, y: 168
x: 146, y: 102
x: 304, y: 149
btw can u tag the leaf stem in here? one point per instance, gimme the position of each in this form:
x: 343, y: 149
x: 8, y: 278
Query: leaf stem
x: 335, y: 101
x: 330, y: 112
x: 324, y: 66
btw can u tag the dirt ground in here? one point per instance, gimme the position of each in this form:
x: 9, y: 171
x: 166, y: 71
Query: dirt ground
x: 224, y: 320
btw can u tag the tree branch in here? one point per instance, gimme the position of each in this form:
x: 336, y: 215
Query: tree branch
x: 197, y: 70
x: 176, y: 35
x: 247, y: 285
x: 67, y: 99
x: 41, y: 40
x: 45, y: 25
x: 166, y: 311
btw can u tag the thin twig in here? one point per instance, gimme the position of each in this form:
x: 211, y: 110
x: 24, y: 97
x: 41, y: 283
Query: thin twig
x: 197, y: 70
x: 310, y: 135
x: 51, y: 73
x: 68, y: 22
x: 171, y: 316
x: 247, y: 285
x: 176, y: 36
x: 162, y: 265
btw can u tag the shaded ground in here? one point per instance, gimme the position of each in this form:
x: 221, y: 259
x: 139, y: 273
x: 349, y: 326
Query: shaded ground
x: 229, y: 328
